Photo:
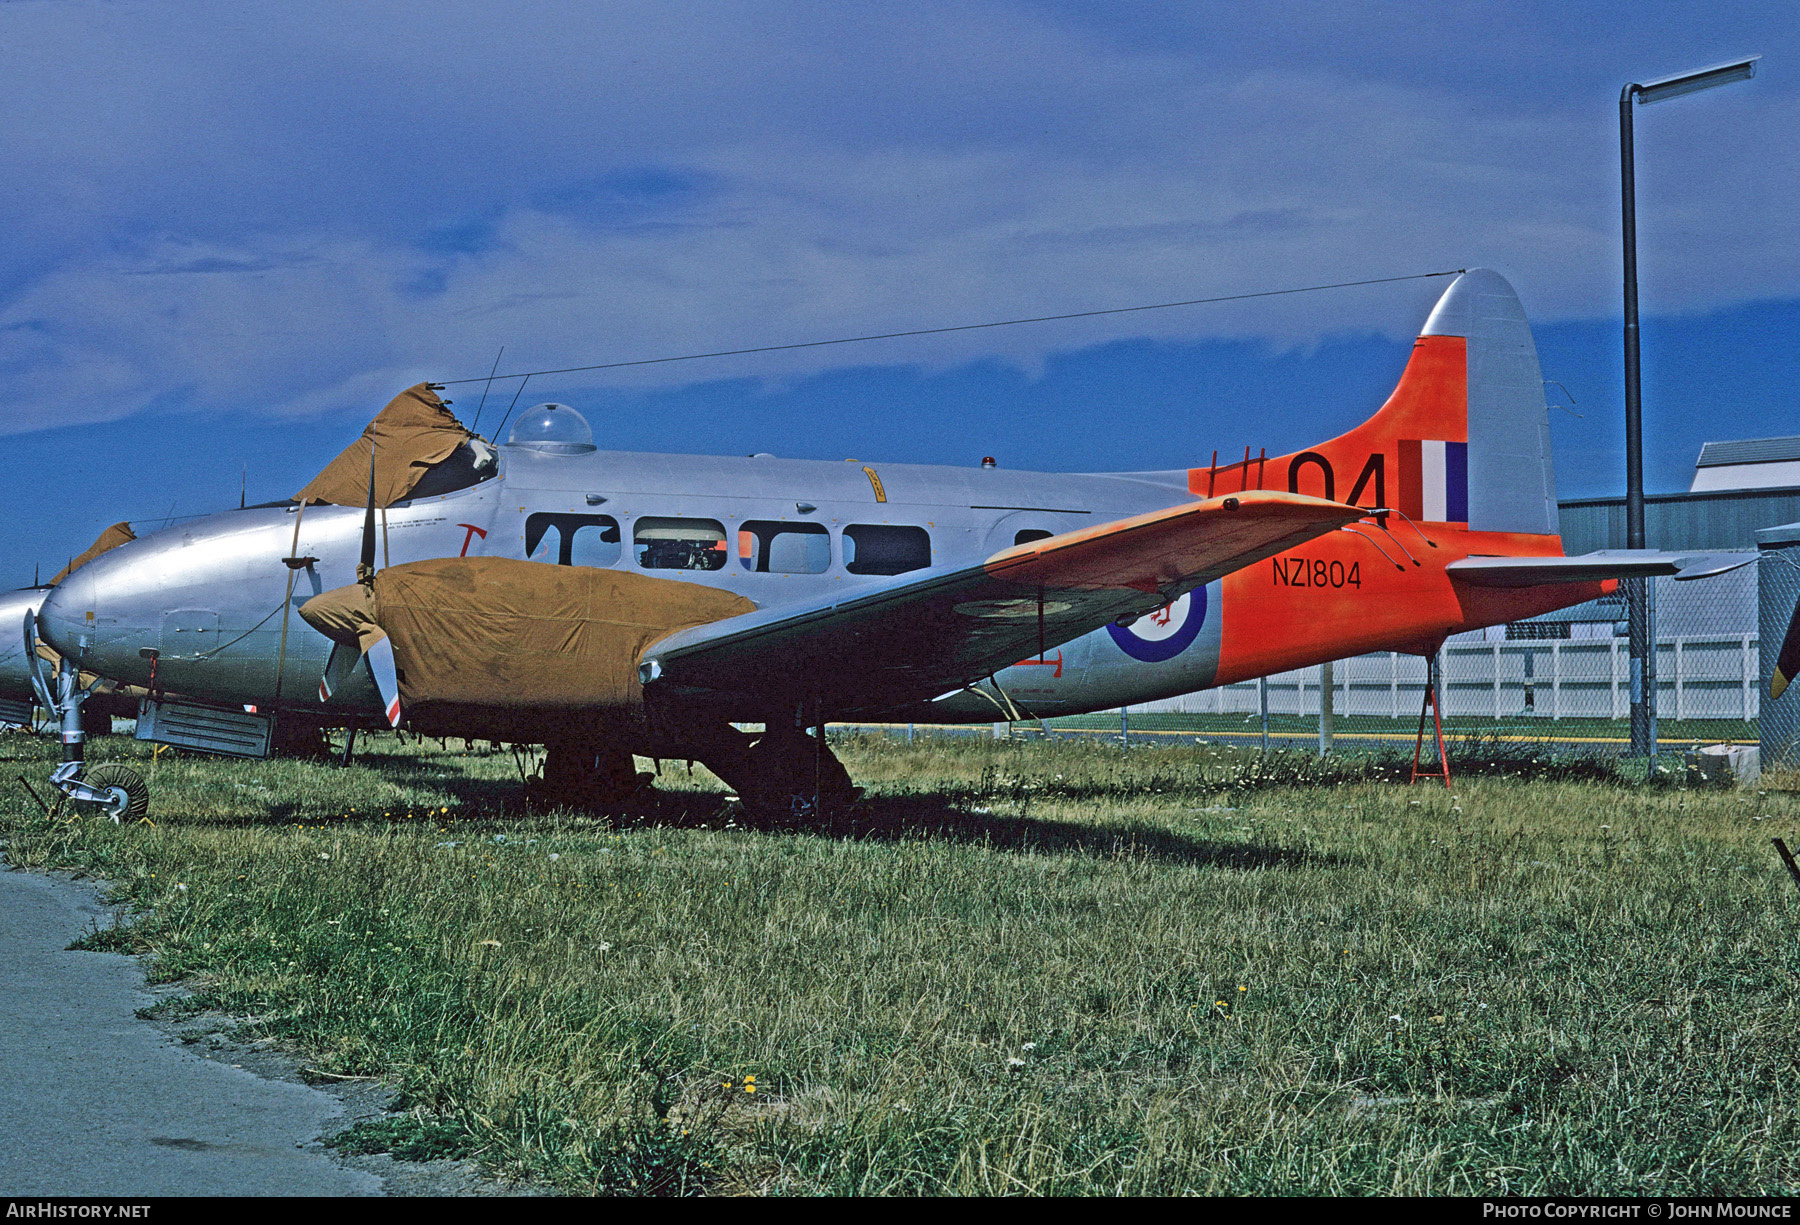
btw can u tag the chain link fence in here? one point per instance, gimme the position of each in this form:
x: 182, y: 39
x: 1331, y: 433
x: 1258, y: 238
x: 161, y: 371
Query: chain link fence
x: 1778, y: 583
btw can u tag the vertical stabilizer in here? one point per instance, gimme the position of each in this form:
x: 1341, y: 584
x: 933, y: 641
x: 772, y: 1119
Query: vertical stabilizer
x: 1464, y: 438
x: 1512, y: 487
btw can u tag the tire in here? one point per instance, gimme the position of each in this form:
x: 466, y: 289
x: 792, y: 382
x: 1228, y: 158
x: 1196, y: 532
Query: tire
x: 137, y: 793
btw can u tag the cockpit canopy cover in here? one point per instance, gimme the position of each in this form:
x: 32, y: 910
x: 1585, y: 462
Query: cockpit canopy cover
x: 555, y: 428
x: 413, y: 434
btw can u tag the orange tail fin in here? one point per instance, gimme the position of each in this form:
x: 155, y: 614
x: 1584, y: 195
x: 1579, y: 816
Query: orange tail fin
x: 1464, y: 438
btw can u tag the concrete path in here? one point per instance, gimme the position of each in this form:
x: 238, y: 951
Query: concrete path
x: 94, y: 1101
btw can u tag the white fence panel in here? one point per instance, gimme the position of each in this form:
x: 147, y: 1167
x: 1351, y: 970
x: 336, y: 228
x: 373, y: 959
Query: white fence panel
x: 1703, y: 676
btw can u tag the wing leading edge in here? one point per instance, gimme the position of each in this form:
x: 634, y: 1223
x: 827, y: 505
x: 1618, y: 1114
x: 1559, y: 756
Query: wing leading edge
x: 943, y: 628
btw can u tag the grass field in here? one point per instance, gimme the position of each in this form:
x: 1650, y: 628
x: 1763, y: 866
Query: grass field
x: 1047, y: 968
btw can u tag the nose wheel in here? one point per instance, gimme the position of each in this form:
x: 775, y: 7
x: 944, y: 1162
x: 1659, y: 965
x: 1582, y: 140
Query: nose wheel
x: 118, y: 791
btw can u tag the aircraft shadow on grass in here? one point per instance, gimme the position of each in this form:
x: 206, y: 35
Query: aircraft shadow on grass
x: 951, y: 816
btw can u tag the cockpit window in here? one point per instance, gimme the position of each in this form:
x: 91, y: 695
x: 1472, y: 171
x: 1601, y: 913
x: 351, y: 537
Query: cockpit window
x: 470, y: 464
x: 679, y: 544
x: 572, y: 540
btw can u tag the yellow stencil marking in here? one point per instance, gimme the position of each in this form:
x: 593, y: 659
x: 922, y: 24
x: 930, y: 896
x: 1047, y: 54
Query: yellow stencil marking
x: 875, y: 483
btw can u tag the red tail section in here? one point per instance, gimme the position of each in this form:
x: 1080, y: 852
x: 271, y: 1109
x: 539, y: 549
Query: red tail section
x: 1459, y: 454
x: 1412, y: 456
x: 1464, y: 439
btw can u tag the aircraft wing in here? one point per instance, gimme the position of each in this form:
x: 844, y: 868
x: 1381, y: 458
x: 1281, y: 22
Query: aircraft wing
x: 1593, y: 567
x: 937, y: 630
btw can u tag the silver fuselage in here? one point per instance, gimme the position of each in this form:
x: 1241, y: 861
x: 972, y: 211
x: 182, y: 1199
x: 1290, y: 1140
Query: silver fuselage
x: 211, y: 603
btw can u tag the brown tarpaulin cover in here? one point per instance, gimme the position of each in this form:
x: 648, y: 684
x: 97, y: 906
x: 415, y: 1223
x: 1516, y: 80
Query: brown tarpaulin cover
x: 491, y: 631
x: 345, y: 615
x: 414, y: 432
x: 491, y: 634
x: 111, y: 539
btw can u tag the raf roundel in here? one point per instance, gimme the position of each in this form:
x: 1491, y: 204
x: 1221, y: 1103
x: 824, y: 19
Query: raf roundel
x: 1165, y: 633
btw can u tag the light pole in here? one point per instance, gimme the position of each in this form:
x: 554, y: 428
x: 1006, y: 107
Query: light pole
x: 1637, y: 591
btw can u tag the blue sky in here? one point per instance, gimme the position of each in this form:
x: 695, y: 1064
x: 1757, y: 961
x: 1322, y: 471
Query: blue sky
x: 236, y: 229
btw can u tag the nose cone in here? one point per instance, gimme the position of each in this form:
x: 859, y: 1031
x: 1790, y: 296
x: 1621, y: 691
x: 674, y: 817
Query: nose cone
x: 95, y: 616
x: 66, y: 618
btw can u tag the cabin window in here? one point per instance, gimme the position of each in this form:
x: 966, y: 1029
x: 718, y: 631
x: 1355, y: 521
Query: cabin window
x: 1030, y: 534
x: 884, y: 548
x: 572, y: 540
x: 768, y: 547
x: 680, y: 544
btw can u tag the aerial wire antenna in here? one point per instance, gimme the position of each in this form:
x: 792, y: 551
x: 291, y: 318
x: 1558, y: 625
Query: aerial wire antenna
x: 484, y: 390
x: 510, y: 407
x: 966, y: 327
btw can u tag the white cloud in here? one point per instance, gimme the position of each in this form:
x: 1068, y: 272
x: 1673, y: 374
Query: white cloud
x: 293, y: 210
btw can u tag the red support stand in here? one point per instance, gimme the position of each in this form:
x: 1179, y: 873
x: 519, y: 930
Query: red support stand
x: 1431, y: 703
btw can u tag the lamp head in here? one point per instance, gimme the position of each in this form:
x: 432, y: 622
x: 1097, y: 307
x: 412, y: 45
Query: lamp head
x: 1664, y: 88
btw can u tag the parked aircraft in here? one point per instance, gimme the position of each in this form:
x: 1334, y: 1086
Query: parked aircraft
x: 608, y: 603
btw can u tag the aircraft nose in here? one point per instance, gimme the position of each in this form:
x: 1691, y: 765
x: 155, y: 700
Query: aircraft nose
x: 66, y: 617
x: 88, y: 618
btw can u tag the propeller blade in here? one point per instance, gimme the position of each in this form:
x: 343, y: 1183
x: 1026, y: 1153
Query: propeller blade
x: 339, y: 669
x: 381, y: 670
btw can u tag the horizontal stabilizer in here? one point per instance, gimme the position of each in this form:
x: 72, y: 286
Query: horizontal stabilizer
x: 1593, y: 567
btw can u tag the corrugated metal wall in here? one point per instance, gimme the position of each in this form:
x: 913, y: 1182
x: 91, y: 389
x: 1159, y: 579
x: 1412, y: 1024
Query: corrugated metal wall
x: 1679, y: 520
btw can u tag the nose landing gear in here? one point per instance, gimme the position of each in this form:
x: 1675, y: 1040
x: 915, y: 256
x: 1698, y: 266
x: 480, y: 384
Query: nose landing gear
x: 116, y: 790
